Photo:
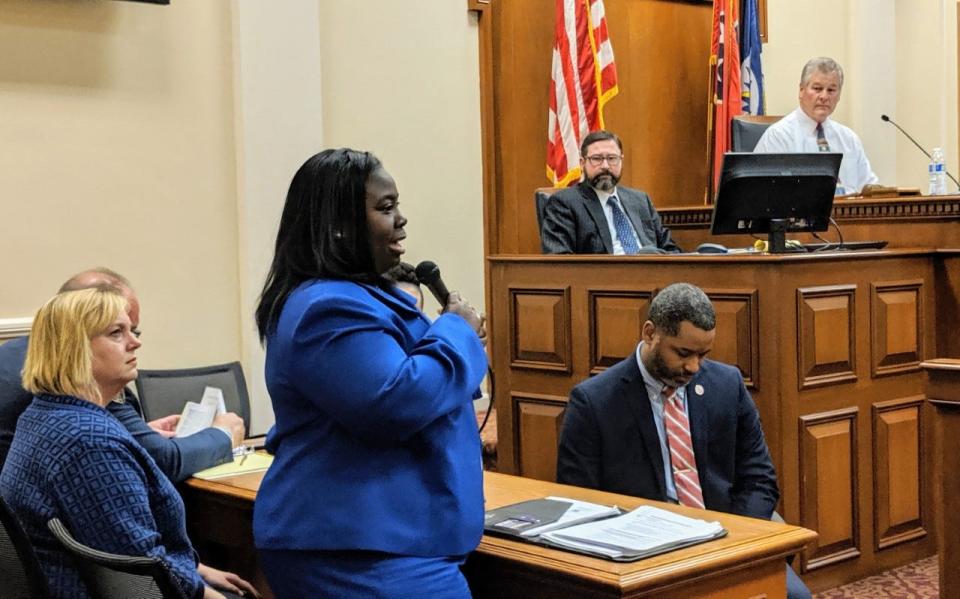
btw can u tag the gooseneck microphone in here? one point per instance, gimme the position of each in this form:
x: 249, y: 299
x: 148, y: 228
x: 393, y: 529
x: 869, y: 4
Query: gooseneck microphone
x: 887, y: 119
x: 428, y: 273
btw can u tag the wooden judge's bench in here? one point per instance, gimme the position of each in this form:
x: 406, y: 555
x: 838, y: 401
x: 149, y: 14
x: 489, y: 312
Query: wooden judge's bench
x: 829, y: 345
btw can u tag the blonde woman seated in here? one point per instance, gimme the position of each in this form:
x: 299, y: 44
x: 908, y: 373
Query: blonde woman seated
x: 71, y: 459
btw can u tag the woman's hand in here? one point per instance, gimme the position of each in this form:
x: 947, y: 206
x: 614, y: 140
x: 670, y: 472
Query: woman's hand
x: 459, y: 306
x: 226, y: 581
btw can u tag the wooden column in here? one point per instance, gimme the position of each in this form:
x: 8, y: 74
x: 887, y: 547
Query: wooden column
x: 943, y: 392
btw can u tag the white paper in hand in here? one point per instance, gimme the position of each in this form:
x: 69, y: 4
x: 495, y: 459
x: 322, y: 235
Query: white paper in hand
x: 194, y: 418
x: 214, y: 396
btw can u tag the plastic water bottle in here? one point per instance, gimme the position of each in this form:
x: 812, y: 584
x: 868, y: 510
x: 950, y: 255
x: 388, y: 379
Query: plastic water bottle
x: 938, y: 174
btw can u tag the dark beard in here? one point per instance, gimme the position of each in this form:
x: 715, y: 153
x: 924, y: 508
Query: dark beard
x: 604, y: 181
x: 656, y: 366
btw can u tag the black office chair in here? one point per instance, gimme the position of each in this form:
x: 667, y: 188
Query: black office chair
x: 746, y: 130
x: 540, y: 196
x: 108, y: 575
x: 165, y: 392
x: 20, y: 573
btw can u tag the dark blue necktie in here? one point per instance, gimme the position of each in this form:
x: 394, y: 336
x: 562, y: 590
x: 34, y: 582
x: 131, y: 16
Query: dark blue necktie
x: 622, y: 225
x: 822, y: 144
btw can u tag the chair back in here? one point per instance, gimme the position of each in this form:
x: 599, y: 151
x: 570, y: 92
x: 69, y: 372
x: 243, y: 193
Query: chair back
x: 540, y: 196
x: 165, y: 392
x: 108, y: 575
x: 747, y: 129
x: 20, y: 573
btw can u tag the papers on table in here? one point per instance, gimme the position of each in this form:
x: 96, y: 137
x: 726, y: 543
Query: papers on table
x: 645, y: 531
x: 198, y: 416
x: 578, y: 513
x: 254, y: 462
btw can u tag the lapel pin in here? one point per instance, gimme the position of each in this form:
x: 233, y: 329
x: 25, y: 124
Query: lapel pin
x: 698, y: 389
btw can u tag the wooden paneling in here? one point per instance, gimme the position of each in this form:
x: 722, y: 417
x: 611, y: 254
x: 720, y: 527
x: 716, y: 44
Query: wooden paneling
x: 828, y: 490
x: 738, y: 338
x: 896, y: 339
x: 661, y: 48
x: 540, y: 322
x: 616, y: 318
x: 943, y: 393
x: 765, y: 347
x: 826, y: 335
x: 538, y: 419
x: 897, y: 471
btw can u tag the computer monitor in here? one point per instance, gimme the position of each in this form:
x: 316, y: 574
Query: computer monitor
x: 775, y: 194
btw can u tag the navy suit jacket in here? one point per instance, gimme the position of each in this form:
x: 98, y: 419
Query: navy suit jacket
x: 574, y: 222
x: 609, y: 440
x: 177, y: 458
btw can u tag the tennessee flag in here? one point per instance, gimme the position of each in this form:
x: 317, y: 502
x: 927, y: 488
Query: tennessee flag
x: 584, y: 78
x: 726, y: 100
x: 751, y: 71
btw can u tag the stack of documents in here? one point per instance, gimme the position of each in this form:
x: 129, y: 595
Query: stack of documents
x: 643, y: 532
x: 599, y: 530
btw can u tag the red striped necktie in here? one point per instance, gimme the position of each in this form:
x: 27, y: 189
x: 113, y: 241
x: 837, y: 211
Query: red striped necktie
x: 684, y: 465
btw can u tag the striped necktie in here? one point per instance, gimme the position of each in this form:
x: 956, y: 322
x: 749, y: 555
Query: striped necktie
x: 683, y: 463
x: 622, y: 225
x: 822, y: 139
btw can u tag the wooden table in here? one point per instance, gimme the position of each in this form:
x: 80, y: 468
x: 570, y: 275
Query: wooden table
x: 748, y: 562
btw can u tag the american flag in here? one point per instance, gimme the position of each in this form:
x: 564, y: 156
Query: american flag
x: 584, y: 78
x: 725, y: 63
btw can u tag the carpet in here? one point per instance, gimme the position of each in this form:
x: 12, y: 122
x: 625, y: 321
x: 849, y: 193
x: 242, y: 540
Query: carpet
x: 917, y: 580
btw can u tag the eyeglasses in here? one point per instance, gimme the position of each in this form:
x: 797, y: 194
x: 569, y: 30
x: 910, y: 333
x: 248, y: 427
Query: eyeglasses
x: 598, y: 159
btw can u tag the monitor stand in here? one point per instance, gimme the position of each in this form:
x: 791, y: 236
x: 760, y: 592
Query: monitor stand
x: 777, y: 238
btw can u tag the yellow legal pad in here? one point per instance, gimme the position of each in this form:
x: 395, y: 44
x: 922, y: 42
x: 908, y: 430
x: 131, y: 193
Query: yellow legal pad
x: 254, y: 462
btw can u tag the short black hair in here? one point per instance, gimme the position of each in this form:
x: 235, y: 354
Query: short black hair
x: 323, y: 229
x: 678, y: 303
x: 594, y: 137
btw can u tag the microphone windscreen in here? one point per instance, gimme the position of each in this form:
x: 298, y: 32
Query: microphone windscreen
x: 884, y: 117
x: 427, y: 272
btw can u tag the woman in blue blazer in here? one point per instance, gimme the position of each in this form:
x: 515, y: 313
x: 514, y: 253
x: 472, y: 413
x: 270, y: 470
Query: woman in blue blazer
x: 376, y: 486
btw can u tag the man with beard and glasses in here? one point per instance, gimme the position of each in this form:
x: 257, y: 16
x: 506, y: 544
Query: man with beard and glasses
x: 668, y: 424
x: 599, y: 217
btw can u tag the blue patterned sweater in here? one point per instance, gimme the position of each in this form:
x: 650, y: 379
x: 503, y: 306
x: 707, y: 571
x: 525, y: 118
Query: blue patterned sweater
x: 71, y: 459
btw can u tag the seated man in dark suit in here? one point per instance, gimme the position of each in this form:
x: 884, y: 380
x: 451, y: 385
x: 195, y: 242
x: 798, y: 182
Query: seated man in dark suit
x: 178, y: 458
x: 668, y: 424
x: 597, y: 216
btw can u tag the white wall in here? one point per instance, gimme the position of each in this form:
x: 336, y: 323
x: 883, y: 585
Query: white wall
x: 402, y: 79
x: 160, y: 141
x: 117, y: 149
x: 900, y: 59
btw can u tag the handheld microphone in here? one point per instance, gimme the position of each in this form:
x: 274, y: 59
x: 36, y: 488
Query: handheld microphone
x: 428, y: 273
x: 887, y: 119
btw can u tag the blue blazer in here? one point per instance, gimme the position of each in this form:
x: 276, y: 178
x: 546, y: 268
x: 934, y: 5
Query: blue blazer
x: 609, y: 440
x: 177, y: 458
x: 375, y: 441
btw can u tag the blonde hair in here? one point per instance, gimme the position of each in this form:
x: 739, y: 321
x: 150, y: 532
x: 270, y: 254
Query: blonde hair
x: 59, y: 359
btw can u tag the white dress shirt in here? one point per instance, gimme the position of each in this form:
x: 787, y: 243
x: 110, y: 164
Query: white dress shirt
x: 797, y: 133
x: 608, y: 212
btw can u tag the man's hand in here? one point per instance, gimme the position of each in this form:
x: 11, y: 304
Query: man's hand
x: 166, y: 426
x: 234, y: 424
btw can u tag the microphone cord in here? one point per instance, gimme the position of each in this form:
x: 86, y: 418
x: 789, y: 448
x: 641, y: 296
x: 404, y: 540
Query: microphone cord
x: 490, y: 403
